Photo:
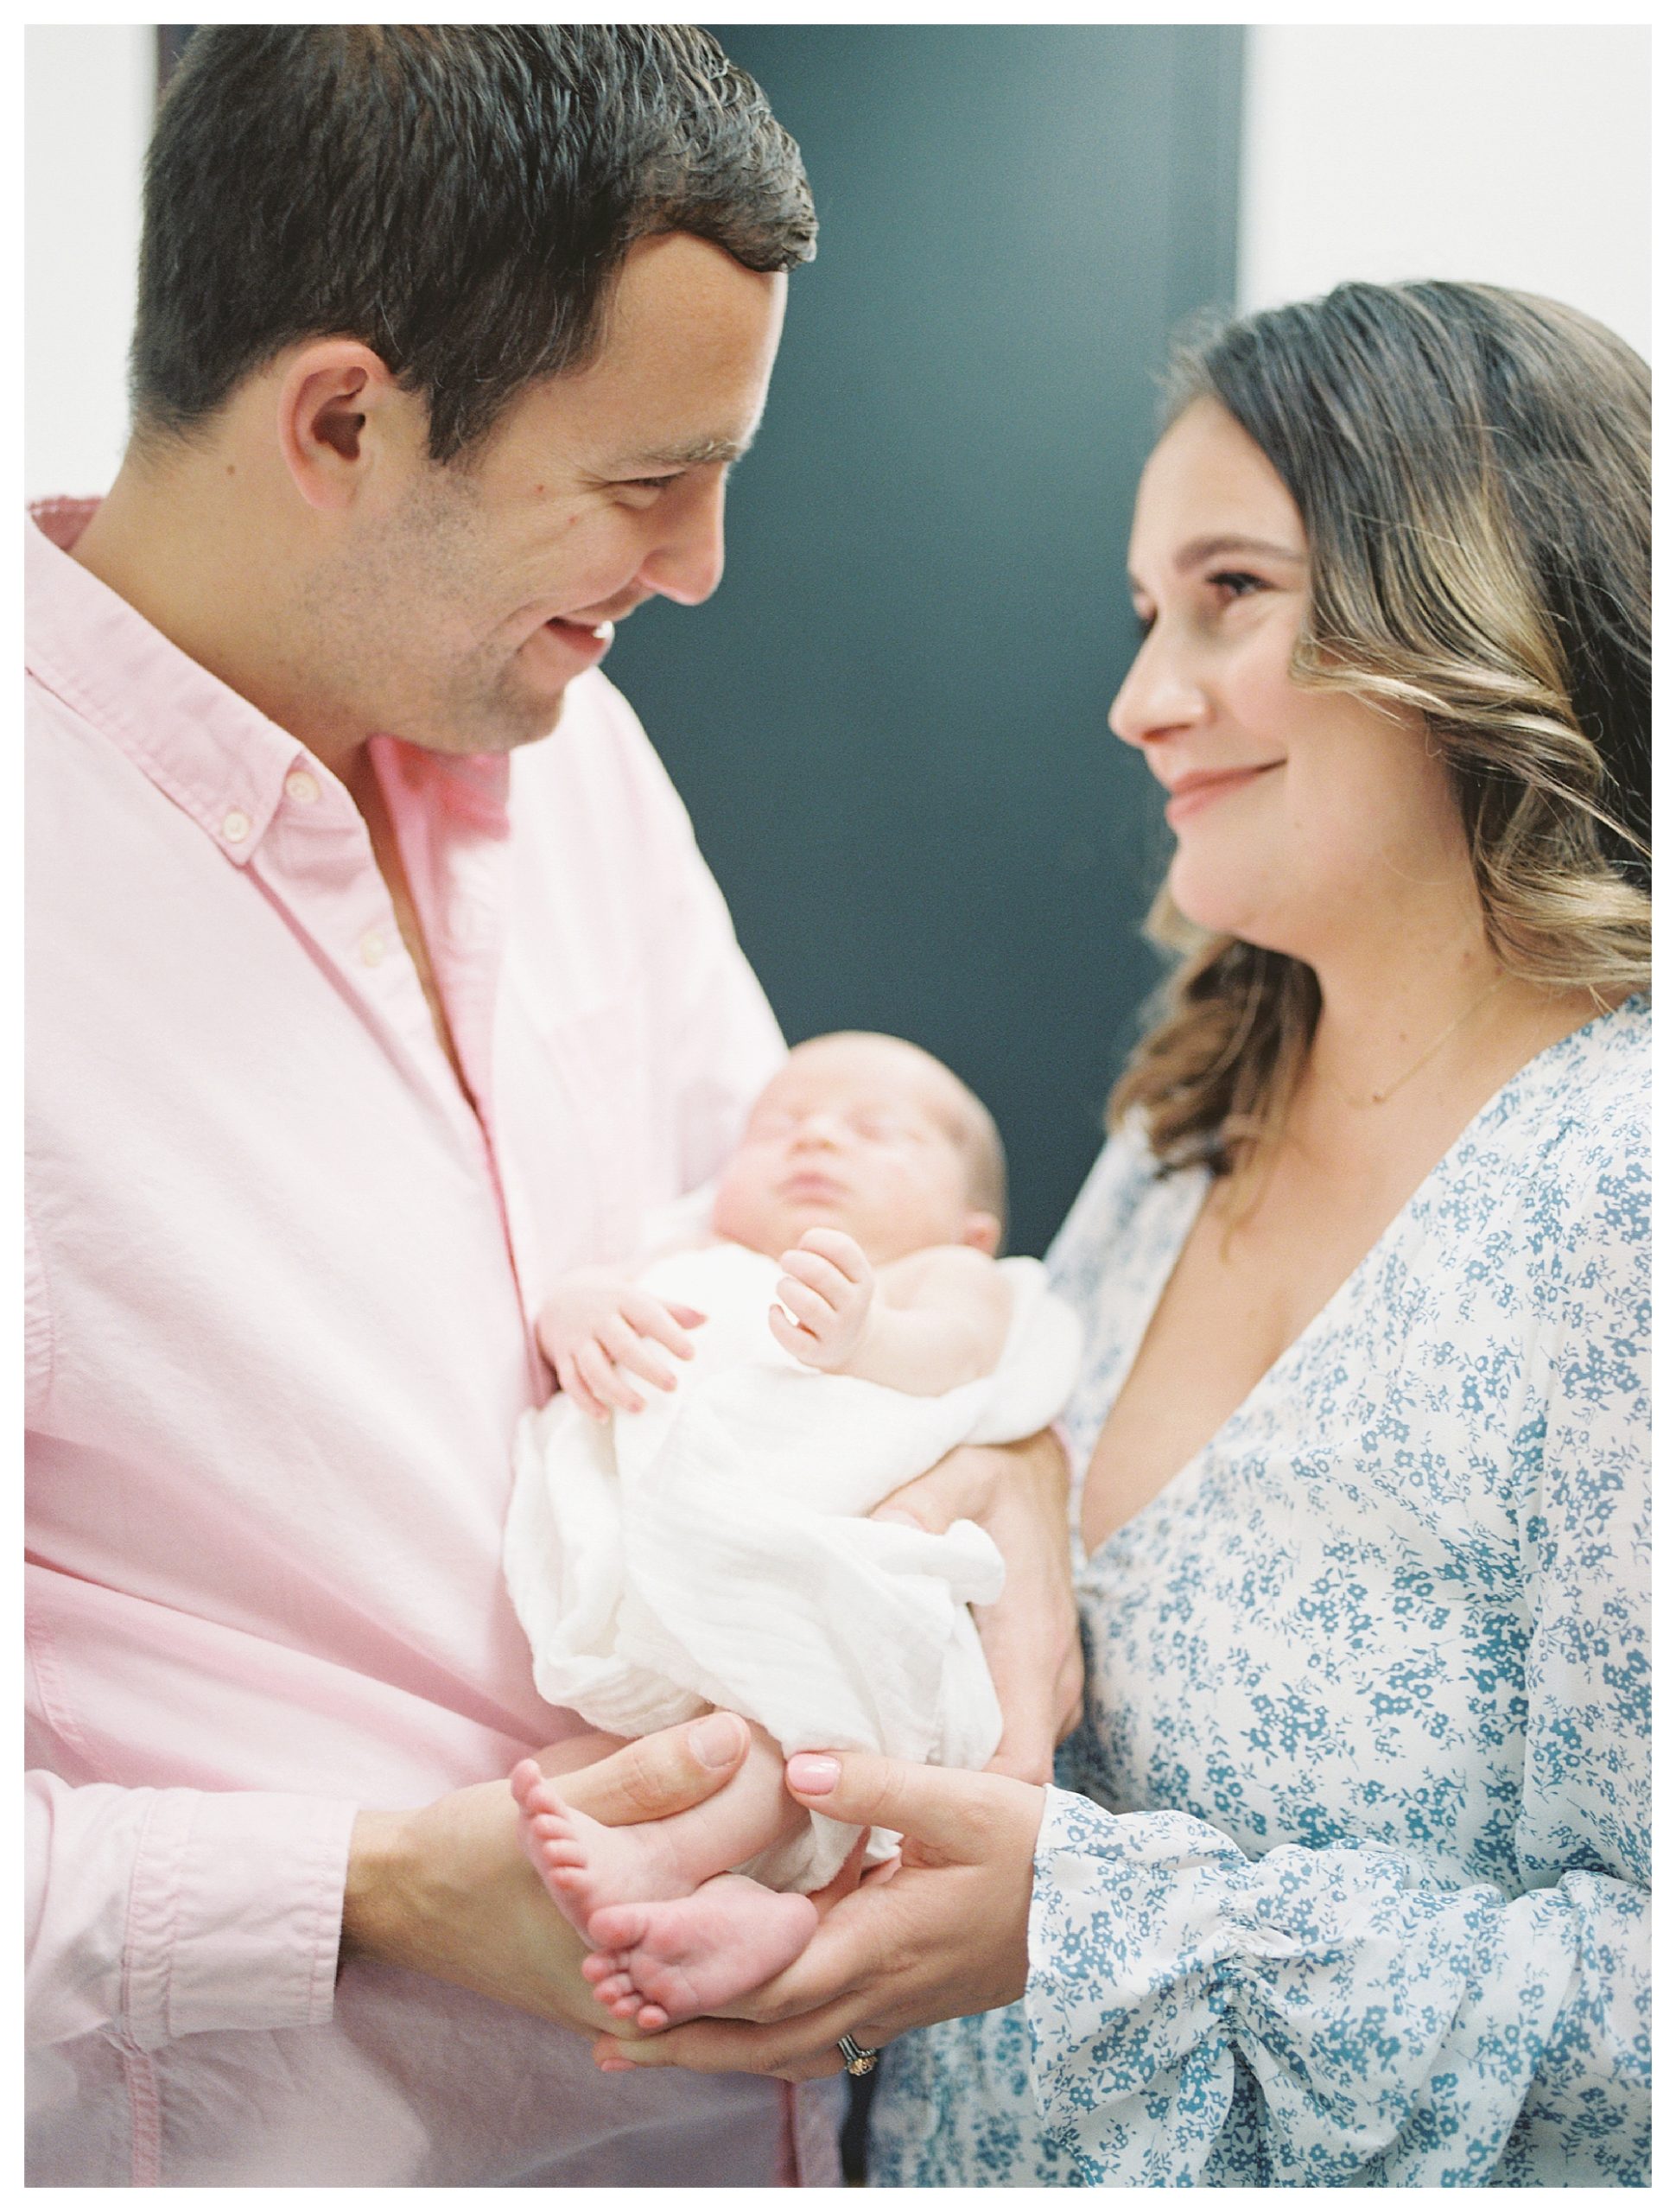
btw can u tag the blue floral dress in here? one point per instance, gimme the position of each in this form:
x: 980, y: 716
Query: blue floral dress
x: 1347, y: 1883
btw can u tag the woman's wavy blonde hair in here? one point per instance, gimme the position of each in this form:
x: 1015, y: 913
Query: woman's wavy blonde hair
x: 1472, y: 467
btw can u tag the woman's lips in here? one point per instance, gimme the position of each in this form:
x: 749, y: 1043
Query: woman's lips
x: 1193, y: 792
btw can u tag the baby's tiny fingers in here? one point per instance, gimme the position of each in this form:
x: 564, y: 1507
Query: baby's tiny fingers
x: 820, y: 1274
x: 840, y: 1248
x: 573, y: 1387
x: 628, y: 1351
x: 787, y: 1331
x: 593, y: 1365
x: 651, y: 1317
x: 803, y: 1303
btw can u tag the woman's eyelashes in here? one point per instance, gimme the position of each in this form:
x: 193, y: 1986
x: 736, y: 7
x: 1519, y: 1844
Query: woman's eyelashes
x: 1224, y: 587
x: 1238, y: 583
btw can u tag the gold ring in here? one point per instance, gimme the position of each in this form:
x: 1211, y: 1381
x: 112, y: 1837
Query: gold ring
x: 857, y: 2058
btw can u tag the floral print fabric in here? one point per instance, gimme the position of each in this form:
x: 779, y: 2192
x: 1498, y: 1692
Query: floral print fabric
x: 1347, y: 1882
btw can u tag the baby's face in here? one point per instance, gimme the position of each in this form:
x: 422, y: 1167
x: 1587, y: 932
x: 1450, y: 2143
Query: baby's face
x: 864, y: 1134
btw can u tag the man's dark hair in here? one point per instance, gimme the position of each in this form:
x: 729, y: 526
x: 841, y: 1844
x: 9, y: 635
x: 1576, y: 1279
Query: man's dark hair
x: 457, y: 197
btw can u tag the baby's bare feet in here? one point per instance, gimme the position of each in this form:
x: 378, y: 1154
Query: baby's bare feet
x: 657, y: 1965
x: 584, y: 1864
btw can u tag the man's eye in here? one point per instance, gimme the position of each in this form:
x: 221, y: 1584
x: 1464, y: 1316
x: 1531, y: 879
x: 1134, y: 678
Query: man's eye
x: 1144, y: 625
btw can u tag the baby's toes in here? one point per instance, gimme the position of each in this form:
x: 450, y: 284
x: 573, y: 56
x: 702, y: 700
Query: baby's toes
x: 618, y: 1927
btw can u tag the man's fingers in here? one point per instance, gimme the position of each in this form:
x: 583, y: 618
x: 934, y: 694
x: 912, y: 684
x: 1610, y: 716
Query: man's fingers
x: 661, y: 1774
x: 959, y: 1488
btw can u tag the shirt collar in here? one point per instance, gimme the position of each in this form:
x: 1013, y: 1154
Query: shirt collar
x: 217, y: 757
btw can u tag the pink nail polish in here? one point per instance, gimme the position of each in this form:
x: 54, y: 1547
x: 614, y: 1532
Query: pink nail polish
x: 815, y: 1773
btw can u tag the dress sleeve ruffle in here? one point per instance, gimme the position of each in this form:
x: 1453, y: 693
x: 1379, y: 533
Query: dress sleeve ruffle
x: 1394, y: 2030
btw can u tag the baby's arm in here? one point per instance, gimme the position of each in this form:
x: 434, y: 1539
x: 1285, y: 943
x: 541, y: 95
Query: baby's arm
x: 595, y: 1325
x: 923, y: 1325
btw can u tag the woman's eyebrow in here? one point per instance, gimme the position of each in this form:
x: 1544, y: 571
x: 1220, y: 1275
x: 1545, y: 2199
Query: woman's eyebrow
x: 1215, y: 548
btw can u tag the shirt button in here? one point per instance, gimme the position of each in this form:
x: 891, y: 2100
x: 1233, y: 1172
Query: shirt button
x: 235, y: 826
x: 372, y: 948
x: 301, y: 786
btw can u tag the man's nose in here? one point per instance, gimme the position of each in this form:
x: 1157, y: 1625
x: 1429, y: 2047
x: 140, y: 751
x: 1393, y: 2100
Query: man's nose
x: 685, y: 562
x: 1159, y: 695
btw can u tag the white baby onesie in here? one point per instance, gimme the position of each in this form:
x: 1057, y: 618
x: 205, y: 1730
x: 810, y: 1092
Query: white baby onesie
x: 714, y: 1549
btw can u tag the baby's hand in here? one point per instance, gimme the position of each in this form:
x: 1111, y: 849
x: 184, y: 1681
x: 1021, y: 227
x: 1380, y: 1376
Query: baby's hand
x: 826, y: 1290
x: 594, y: 1326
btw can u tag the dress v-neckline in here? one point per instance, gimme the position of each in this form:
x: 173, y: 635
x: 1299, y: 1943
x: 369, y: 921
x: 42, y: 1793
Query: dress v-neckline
x: 1159, y: 1275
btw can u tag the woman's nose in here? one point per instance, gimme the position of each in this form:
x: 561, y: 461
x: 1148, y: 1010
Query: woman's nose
x: 1158, y: 697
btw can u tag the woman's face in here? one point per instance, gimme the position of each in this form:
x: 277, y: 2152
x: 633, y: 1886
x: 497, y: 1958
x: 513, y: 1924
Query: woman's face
x: 1301, y: 817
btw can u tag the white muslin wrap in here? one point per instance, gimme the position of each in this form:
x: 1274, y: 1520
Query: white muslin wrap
x: 713, y: 1550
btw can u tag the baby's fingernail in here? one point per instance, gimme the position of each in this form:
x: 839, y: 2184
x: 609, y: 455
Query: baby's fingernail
x: 813, y: 1772
x: 897, y: 1513
x: 715, y: 1739
x: 614, y: 2065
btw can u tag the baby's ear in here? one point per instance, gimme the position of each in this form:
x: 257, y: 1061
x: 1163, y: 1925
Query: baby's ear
x: 982, y: 1232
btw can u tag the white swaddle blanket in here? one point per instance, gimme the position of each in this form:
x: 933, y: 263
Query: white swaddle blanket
x: 712, y: 1550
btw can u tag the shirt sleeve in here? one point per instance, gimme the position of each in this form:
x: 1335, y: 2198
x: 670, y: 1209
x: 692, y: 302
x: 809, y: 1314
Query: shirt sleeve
x: 157, y: 1913
x: 1397, y: 2030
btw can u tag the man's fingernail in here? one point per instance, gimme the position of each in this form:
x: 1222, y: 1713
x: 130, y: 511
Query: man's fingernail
x: 715, y: 1739
x: 813, y: 1772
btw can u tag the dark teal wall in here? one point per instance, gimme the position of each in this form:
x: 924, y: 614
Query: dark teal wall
x: 890, y: 723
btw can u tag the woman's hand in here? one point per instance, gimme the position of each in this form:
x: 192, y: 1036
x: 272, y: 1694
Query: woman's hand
x: 943, y: 1935
x: 447, y: 1890
x: 1016, y: 1492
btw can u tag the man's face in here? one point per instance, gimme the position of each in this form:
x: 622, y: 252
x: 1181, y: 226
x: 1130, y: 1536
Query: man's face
x: 465, y: 598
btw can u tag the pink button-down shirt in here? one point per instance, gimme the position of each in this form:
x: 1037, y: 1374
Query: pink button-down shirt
x: 281, y: 1279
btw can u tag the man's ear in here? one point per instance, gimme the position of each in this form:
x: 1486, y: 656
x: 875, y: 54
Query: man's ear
x: 337, y: 404
x: 983, y: 1231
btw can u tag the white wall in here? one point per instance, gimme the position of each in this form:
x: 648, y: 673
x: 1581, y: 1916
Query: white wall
x: 1516, y: 155
x: 89, y: 90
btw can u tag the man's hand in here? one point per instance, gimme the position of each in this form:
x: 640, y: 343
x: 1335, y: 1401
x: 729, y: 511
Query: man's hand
x: 596, y: 1324
x: 447, y: 1890
x: 1018, y: 1493
x: 827, y: 1292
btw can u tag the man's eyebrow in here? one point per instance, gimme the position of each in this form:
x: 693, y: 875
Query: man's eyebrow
x: 697, y: 452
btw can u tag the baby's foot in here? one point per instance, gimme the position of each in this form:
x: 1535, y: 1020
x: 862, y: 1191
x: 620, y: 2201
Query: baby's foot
x: 659, y: 1964
x: 584, y: 1864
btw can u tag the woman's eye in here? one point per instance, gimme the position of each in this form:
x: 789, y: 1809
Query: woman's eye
x: 1238, y: 583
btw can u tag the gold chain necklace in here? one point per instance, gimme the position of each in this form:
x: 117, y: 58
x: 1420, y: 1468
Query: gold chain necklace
x: 1379, y: 1097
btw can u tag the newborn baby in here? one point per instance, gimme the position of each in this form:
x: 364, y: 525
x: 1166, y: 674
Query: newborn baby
x: 688, y: 1536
